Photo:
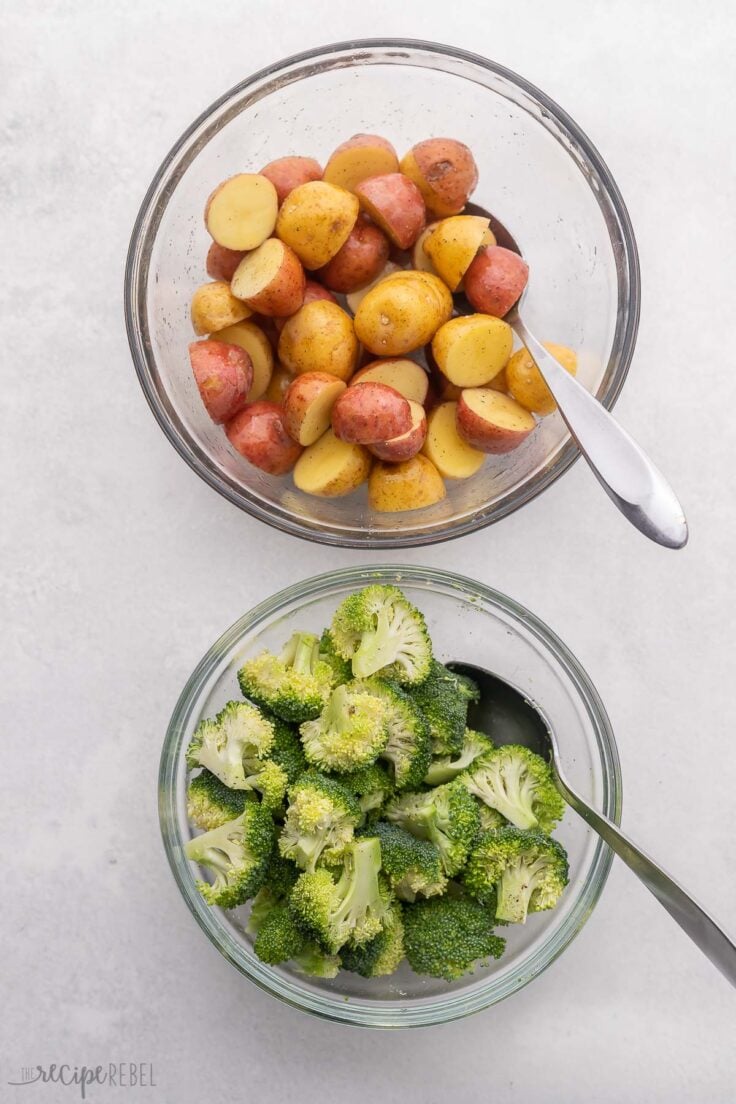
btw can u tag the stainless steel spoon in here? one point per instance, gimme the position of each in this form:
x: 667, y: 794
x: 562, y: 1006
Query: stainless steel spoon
x: 625, y: 472
x: 509, y: 718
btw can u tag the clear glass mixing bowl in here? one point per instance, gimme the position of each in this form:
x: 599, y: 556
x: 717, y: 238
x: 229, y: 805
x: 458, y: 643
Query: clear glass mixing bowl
x: 539, y: 175
x: 467, y: 621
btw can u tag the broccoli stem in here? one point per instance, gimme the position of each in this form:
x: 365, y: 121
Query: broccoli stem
x: 515, y: 889
x: 301, y: 653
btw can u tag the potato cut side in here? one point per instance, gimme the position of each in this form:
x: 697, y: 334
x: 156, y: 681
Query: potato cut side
x: 241, y: 212
x: 251, y: 337
x: 270, y: 279
x: 420, y: 259
x: 355, y: 298
x: 362, y: 156
x: 331, y: 468
x: 308, y: 405
x: 214, y: 306
x: 411, y: 485
x: 405, y: 376
x: 453, y: 458
x: 499, y: 409
x: 472, y: 349
x: 453, y: 245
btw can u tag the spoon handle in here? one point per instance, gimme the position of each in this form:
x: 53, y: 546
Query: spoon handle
x: 692, y: 918
x: 628, y: 476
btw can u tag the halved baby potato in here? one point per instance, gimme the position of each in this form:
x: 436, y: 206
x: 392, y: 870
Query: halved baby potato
x: 320, y: 337
x: 495, y: 280
x: 308, y: 405
x: 405, y: 376
x: 402, y: 312
x: 241, y: 212
x: 331, y: 468
x: 445, y: 172
x: 525, y: 380
x: 370, y: 412
x: 315, y: 220
x: 410, y: 485
x: 362, y: 156
x: 453, y: 244
x: 492, y: 422
x: 221, y: 262
x: 251, y: 337
x: 406, y: 444
x: 270, y: 279
x: 259, y: 434
x: 472, y: 349
x: 214, y: 306
x: 395, y: 203
x: 223, y: 374
x: 287, y: 173
x: 451, y: 455
x: 359, y: 261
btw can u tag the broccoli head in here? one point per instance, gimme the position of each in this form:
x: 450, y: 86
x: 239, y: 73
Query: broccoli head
x: 210, y: 803
x: 445, y: 936
x: 407, y: 749
x: 342, y: 670
x: 382, y: 954
x: 445, y: 769
x: 519, y: 785
x: 490, y: 819
x: 239, y: 732
x: 380, y: 631
x: 444, y: 816
x: 350, y: 731
x: 279, y: 937
x: 294, y: 685
x: 237, y: 854
x: 351, y: 905
x: 413, y: 866
x: 372, y: 785
x: 443, y: 700
x: 527, y: 870
x: 286, y: 749
x: 320, y: 821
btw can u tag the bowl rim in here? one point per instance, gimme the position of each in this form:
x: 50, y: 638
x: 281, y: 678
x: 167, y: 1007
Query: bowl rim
x: 358, y: 1011
x: 136, y: 280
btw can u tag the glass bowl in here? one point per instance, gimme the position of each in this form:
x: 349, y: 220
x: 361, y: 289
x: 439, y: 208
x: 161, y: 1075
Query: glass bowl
x: 539, y: 175
x: 466, y: 621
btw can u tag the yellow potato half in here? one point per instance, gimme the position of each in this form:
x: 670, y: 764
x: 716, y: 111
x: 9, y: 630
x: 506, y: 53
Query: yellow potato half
x: 453, y: 458
x: 331, y: 468
x: 410, y: 485
x: 472, y: 349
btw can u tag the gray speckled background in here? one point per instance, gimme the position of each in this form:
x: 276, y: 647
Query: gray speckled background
x: 120, y: 568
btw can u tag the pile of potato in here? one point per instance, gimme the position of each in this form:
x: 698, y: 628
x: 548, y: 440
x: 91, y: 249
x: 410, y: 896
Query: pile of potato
x: 312, y: 374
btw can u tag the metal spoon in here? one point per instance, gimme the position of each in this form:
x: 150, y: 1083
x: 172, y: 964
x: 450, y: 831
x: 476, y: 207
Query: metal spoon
x: 625, y: 472
x: 509, y: 718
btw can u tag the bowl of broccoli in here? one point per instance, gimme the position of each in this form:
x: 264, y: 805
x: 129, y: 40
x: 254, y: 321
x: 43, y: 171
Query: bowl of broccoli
x: 339, y: 831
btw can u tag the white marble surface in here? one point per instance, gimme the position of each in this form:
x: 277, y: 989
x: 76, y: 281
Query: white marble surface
x: 120, y: 568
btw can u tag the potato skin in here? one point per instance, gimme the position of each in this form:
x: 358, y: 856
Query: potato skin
x: 221, y: 262
x: 331, y: 468
x: 445, y: 172
x: 495, y: 280
x: 472, y: 349
x: 479, y: 429
x: 283, y: 294
x: 406, y: 444
x: 410, y: 485
x: 259, y: 434
x: 214, y: 307
x: 359, y: 260
x: 307, y: 394
x: 287, y: 173
x: 524, y: 380
x: 315, y: 220
x: 370, y: 412
x: 223, y: 374
x: 401, y: 313
x: 251, y: 337
x: 396, y: 204
x: 320, y: 337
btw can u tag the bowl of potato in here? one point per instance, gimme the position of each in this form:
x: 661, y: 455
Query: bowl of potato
x: 317, y: 282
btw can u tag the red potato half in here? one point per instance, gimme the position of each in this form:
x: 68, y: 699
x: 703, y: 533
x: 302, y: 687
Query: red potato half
x: 287, y: 173
x: 407, y: 444
x: 445, y: 172
x: 308, y: 405
x: 495, y: 280
x: 221, y: 262
x: 492, y: 422
x: 395, y: 203
x: 241, y: 212
x: 362, y: 156
x: 405, y: 376
x: 259, y: 434
x: 359, y: 261
x: 270, y: 280
x: 223, y: 374
x: 370, y: 413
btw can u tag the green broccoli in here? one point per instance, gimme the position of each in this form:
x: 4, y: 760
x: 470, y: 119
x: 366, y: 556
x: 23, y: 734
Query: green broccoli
x: 286, y: 749
x: 382, y: 955
x: 314, y: 962
x: 378, y: 630
x: 371, y: 784
x: 413, y: 866
x: 445, y: 769
x: 445, y: 936
x: 526, y: 869
x: 210, y: 803
x: 342, y: 670
x: 407, y: 749
x: 490, y: 819
x: 279, y: 937
x: 519, y: 785
x: 350, y: 732
x: 238, y: 734
x: 443, y: 700
x: 294, y: 685
x: 350, y: 906
x: 444, y: 816
x: 237, y: 853
x: 320, y: 820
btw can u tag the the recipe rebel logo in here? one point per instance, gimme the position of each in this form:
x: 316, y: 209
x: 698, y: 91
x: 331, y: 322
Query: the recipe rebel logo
x: 112, y: 1075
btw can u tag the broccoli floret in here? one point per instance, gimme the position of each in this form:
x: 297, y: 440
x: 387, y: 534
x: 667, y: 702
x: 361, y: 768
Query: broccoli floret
x: 313, y: 961
x: 350, y: 732
x: 239, y: 734
x: 342, y: 670
x: 210, y: 803
x: 527, y: 870
x: 442, y: 770
x: 443, y: 701
x: 519, y: 785
x: 445, y: 936
x: 490, y: 819
x: 286, y: 749
x: 237, y: 853
x: 413, y: 866
x: 379, y: 630
x: 320, y: 821
x: 294, y: 685
x: 444, y: 816
x: 382, y: 955
x: 279, y: 937
x: 351, y: 906
x: 371, y: 785
x: 407, y: 748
